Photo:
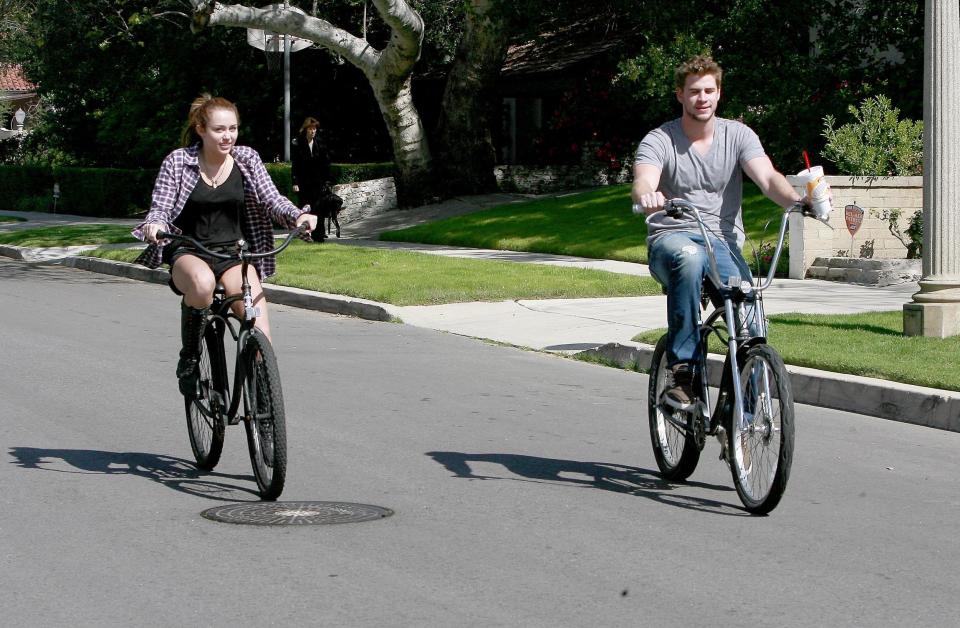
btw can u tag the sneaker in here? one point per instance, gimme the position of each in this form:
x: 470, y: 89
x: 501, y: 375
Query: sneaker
x: 681, y: 395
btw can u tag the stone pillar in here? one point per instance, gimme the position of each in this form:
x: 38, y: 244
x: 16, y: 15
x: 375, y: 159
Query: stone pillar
x: 935, y: 310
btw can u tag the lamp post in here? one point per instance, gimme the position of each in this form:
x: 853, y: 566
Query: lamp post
x: 269, y: 42
x: 20, y: 116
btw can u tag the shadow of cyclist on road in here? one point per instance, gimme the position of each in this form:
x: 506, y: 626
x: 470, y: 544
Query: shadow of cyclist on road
x: 600, y: 475
x: 176, y: 473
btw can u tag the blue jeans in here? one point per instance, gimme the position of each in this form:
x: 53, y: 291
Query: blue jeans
x: 679, y: 262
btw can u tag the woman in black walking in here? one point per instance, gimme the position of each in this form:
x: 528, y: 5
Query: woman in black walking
x: 311, y: 176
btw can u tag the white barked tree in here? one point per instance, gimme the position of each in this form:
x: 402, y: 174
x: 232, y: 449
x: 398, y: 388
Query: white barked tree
x: 388, y: 71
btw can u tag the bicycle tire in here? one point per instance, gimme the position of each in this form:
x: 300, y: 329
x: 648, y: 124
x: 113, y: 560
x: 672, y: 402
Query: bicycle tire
x: 265, y: 420
x: 675, y: 450
x: 761, y: 455
x: 205, y: 422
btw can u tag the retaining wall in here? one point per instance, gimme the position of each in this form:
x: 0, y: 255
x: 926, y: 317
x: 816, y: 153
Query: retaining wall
x: 810, y: 239
x: 543, y: 179
x: 366, y: 198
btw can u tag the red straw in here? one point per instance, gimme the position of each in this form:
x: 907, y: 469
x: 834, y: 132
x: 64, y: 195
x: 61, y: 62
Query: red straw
x: 806, y: 159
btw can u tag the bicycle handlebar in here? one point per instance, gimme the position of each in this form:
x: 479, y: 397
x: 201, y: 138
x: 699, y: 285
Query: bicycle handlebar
x: 676, y: 207
x: 241, y: 253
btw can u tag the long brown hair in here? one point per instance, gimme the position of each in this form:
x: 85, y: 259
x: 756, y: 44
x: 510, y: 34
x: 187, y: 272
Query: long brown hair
x: 200, y: 110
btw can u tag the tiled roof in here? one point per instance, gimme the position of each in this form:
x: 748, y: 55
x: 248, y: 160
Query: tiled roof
x: 12, y: 79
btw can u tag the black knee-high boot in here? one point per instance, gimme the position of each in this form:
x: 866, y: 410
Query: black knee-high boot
x: 191, y: 335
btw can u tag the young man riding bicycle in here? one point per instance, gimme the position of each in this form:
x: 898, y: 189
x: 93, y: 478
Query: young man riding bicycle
x: 699, y: 158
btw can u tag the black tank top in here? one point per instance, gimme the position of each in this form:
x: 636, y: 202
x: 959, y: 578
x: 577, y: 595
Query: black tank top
x: 212, y: 214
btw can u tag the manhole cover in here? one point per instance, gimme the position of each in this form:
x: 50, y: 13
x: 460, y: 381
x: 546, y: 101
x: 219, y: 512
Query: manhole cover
x: 295, y: 513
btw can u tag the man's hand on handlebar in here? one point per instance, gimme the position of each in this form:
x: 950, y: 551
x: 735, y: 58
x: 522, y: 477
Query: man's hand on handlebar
x: 649, y: 203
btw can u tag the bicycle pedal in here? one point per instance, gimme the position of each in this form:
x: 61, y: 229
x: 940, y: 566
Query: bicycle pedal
x: 721, y: 435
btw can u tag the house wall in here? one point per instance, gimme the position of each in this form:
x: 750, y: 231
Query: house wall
x: 810, y: 239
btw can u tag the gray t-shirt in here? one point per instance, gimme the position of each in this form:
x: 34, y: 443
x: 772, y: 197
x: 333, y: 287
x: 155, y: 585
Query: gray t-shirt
x: 713, y: 182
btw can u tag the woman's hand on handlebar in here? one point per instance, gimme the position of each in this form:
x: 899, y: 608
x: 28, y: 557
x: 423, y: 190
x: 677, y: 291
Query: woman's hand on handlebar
x: 309, y: 219
x: 150, y: 231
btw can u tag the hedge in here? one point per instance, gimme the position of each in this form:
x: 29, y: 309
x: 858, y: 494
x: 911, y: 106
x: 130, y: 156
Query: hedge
x: 119, y: 193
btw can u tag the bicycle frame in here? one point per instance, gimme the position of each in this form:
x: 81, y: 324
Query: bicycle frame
x: 739, y: 336
x: 222, y: 314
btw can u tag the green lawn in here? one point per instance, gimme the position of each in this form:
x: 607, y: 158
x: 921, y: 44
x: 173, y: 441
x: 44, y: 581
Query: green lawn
x: 68, y: 235
x: 870, y: 344
x: 406, y: 278
x: 597, y: 224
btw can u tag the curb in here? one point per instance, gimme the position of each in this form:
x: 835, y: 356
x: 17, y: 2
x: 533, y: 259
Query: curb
x: 15, y: 252
x: 281, y: 295
x: 905, y: 403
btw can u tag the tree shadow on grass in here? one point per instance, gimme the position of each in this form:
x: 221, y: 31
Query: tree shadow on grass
x: 598, y: 475
x: 176, y: 473
x: 788, y: 321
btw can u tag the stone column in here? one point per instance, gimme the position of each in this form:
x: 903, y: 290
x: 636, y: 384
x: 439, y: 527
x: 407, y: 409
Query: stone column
x: 935, y: 310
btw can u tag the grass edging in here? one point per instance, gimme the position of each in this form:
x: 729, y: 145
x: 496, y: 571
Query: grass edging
x: 906, y: 403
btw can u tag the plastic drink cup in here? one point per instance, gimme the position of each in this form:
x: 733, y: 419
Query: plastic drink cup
x: 818, y: 191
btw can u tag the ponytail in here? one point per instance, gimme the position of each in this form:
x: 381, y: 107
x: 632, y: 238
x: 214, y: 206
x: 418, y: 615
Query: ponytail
x: 200, y: 110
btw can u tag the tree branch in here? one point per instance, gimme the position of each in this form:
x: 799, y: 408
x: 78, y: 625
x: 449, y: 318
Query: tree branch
x: 354, y: 49
x: 407, y: 28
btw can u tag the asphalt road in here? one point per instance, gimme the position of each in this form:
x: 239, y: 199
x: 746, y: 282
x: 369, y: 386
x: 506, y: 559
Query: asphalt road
x: 522, y: 486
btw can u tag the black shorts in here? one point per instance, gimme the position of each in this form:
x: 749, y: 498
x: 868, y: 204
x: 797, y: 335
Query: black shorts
x: 219, y: 266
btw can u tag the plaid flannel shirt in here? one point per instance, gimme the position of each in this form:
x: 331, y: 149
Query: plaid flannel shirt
x: 262, y: 201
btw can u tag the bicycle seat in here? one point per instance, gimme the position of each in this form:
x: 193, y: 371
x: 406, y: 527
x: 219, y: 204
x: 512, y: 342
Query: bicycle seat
x: 219, y: 290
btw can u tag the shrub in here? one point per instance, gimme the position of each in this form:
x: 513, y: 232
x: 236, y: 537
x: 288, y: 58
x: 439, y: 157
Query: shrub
x: 912, y: 238
x: 878, y: 143
x: 119, y: 193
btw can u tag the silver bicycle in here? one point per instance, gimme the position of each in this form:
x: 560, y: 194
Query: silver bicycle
x: 753, y: 415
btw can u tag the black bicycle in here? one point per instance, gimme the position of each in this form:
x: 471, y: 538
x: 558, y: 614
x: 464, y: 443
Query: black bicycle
x: 257, y: 398
x: 753, y: 417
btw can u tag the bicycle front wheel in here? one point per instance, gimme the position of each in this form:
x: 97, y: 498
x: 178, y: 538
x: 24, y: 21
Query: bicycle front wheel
x: 761, y: 445
x: 205, y: 423
x: 674, y: 448
x: 265, y: 420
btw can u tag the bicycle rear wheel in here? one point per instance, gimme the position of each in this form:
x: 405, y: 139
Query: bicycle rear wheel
x: 674, y: 448
x: 761, y: 448
x: 205, y: 423
x: 265, y: 420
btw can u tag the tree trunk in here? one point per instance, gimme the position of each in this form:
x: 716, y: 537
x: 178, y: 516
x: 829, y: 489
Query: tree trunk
x: 466, y: 155
x: 410, y: 148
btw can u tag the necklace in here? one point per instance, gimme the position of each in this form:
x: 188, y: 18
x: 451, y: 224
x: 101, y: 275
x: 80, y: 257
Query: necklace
x: 215, y: 180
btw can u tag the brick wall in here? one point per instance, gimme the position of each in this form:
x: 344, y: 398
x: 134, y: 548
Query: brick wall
x: 810, y: 239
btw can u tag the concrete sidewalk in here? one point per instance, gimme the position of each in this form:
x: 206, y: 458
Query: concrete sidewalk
x: 602, y: 326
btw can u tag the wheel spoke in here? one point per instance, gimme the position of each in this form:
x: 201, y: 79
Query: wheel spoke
x: 762, y: 442
x: 204, y: 421
x: 266, y: 430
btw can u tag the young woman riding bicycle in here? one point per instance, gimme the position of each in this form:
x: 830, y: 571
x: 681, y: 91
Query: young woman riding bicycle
x: 216, y: 192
